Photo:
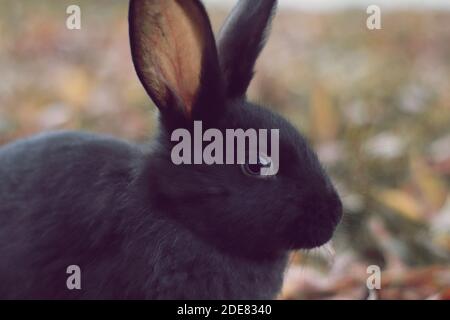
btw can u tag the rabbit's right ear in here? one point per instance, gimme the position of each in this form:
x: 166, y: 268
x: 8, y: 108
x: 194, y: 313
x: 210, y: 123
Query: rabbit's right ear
x: 175, y: 56
x: 241, y: 40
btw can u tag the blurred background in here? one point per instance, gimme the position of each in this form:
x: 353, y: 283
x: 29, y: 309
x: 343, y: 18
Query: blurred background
x: 375, y: 104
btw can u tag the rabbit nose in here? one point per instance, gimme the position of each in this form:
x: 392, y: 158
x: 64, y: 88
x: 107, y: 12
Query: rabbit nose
x: 332, y: 203
x: 335, y: 207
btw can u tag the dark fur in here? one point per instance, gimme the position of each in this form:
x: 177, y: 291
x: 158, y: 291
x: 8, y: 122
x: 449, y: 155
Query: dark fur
x: 142, y: 227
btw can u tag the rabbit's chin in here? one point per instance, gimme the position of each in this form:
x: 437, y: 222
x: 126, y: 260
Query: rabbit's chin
x: 311, y: 238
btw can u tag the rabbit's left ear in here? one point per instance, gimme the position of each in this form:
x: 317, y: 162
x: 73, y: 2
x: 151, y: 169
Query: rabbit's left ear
x: 241, y: 40
x: 175, y: 55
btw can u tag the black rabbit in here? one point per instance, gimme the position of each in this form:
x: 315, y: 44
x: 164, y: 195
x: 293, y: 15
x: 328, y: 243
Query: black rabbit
x: 136, y: 224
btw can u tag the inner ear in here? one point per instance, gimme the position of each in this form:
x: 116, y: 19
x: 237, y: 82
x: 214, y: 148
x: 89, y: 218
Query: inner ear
x: 170, y: 42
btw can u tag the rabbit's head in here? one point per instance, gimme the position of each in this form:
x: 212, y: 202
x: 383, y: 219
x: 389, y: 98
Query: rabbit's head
x: 190, y: 78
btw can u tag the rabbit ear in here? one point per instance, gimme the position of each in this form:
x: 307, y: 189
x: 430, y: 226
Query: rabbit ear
x: 174, y: 53
x: 241, y: 40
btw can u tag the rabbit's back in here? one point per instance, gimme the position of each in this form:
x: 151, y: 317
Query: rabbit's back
x: 61, y: 164
x: 61, y: 195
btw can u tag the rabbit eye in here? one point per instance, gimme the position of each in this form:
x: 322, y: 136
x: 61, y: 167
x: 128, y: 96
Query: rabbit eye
x: 254, y: 170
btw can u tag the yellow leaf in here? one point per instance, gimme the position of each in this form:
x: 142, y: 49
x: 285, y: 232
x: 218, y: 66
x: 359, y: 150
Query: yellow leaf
x: 402, y: 203
x: 430, y: 185
x: 323, y: 116
x: 75, y: 87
